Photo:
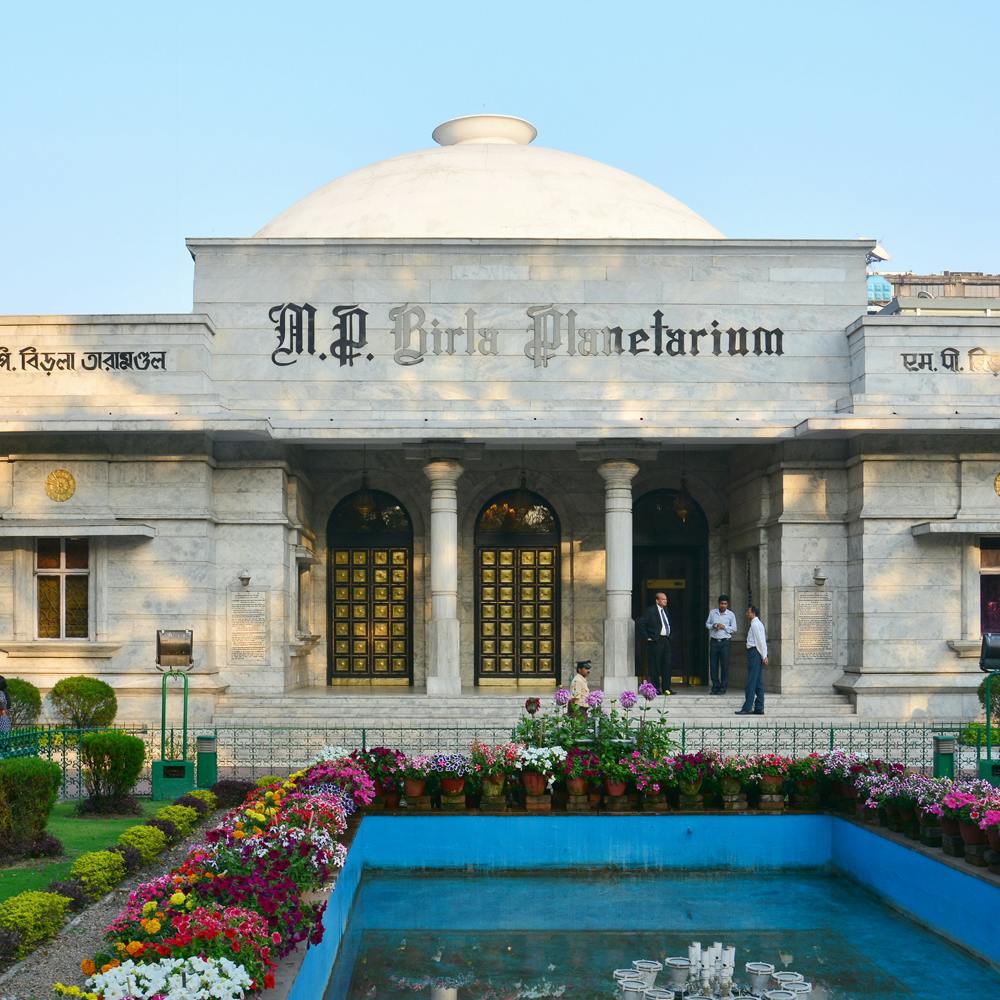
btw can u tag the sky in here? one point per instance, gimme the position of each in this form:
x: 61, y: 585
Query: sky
x: 128, y: 127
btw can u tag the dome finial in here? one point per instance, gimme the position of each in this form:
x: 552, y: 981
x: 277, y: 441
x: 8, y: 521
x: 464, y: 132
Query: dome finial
x: 498, y: 129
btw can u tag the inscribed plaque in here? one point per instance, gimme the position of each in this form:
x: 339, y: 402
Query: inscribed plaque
x: 814, y: 626
x: 248, y: 628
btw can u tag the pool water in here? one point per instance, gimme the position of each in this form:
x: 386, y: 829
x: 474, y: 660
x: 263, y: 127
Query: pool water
x: 561, y: 934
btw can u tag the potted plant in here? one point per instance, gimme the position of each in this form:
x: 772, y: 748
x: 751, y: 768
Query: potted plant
x: 580, y: 767
x: 772, y: 770
x: 615, y: 771
x: 735, y: 773
x: 451, y: 769
x: 537, y: 765
x: 414, y: 772
x: 692, y: 769
x: 805, y: 774
x: 492, y: 764
x: 990, y: 824
x: 652, y: 776
x: 385, y: 767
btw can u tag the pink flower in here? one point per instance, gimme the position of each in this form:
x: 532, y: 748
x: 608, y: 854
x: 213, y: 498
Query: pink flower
x: 562, y: 697
x: 648, y: 691
x: 627, y: 699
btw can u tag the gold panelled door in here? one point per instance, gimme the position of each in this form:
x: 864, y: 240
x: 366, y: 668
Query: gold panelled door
x: 517, y: 619
x: 371, y: 619
x: 517, y: 590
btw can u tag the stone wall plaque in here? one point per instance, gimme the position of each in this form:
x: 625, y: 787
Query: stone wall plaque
x: 248, y: 628
x: 814, y: 635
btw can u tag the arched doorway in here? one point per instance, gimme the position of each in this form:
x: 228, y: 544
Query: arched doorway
x: 370, y: 590
x: 670, y: 553
x: 517, y: 590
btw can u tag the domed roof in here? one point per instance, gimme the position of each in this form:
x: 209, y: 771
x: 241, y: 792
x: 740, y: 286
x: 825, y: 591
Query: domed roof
x: 484, y: 181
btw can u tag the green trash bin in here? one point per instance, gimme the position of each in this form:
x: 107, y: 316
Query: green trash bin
x: 208, y: 761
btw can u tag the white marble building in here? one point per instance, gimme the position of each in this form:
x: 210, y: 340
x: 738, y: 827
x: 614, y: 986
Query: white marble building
x: 450, y: 421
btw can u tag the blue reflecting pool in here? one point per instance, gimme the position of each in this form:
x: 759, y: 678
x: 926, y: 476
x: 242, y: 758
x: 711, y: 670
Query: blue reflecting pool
x: 486, y: 937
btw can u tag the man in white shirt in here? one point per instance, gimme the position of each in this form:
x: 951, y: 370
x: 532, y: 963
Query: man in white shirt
x: 721, y: 625
x: 753, y: 701
x: 654, y: 628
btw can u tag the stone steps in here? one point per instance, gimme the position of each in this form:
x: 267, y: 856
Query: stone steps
x: 418, y: 709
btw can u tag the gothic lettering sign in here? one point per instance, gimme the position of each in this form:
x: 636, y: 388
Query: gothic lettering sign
x: 248, y: 628
x: 550, y: 333
x: 950, y: 360
x: 30, y: 359
x: 814, y: 626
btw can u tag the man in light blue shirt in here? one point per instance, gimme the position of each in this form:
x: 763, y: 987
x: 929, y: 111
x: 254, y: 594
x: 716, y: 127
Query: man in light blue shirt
x: 721, y: 627
x: 756, y: 661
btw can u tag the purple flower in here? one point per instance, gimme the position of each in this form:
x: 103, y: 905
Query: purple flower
x: 648, y: 691
x: 562, y: 697
x: 627, y: 699
x: 594, y: 699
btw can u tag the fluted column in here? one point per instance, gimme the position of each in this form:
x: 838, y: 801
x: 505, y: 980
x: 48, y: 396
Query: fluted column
x: 443, y: 667
x: 619, y: 629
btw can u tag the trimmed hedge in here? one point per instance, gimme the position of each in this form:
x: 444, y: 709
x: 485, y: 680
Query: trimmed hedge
x: 25, y: 702
x: 147, y: 840
x: 198, y: 805
x: 99, y: 871
x: 168, y: 829
x: 183, y: 817
x: 112, y: 765
x: 268, y: 779
x: 84, y: 702
x: 231, y: 792
x: 28, y: 790
x: 206, y: 796
x: 36, y: 916
x: 131, y: 857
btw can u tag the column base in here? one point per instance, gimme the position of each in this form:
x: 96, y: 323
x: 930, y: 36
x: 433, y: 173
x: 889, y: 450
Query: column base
x: 444, y: 674
x: 619, y: 656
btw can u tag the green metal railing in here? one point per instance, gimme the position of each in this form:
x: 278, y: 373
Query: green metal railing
x: 252, y: 751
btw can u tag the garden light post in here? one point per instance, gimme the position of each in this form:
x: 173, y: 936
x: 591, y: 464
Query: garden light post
x: 173, y: 778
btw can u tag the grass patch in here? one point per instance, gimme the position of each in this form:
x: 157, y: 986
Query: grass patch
x: 78, y: 834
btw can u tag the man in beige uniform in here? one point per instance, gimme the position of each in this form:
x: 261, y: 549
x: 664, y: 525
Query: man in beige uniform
x: 579, y: 689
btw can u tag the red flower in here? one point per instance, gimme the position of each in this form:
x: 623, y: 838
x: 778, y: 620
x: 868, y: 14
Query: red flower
x: 268, y: 981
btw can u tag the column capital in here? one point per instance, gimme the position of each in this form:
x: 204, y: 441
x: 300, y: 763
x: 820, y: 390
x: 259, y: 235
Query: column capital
x: 618, y: 472
x: 443, y: 471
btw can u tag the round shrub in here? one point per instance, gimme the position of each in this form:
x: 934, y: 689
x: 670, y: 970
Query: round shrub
x: 132, y: 858
x: 183, y: 817
x: 25, y: 702
x: 192, y: 803
x: 10, y: 943
x: 45, y: 846
x: 230, y: 792
x: 206, y: 796
x: 28, y: 790
x: 168, y: 829
x: 99, y: 871
x: 269, y: 779
x: 112, y: 764
x: 74, y: 890
x: 147, y: 840
x: 84, y: 702
x: 36, y: 916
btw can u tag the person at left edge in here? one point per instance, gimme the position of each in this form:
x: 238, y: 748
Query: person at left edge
x: 654, y: 630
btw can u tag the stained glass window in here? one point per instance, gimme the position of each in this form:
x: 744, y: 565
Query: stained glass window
x: 62, y: 588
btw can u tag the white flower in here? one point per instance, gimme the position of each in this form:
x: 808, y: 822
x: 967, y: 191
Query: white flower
x: 174, y: 979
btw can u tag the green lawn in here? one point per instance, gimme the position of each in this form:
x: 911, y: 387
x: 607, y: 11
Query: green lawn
x: 78, y: 834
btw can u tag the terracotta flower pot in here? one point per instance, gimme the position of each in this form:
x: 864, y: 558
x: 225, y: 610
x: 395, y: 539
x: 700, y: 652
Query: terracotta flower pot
x: 413, y: 788
x: 614, y: 788
x: 993, y: 838
x: 690, y: 787
x: 493, y: 786
x: 453, y: 785
x: 576, y: 786
x: 971, y: 834
x: 392, y: 798
x: 949, y: 826
x: 770, y: 784
x: 534, y: 783
x: 730, y: 786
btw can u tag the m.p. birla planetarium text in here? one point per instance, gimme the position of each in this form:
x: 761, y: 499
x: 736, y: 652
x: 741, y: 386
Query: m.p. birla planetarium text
x: 552, y: 333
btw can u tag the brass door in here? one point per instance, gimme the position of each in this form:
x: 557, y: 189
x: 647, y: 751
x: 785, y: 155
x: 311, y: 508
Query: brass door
x: 371, y: 615
x: 517, y: 609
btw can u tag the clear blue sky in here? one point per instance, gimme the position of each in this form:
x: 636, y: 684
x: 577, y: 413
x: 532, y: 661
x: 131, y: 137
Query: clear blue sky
x: 127, y: 127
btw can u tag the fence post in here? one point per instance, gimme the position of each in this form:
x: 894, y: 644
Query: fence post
x: 364, y: 741
x: 831, y: 737
x: 683, y: 737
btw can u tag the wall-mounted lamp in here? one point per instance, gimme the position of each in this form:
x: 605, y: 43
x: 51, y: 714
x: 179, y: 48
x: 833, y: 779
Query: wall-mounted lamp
x: 818, y: 577
x: 244, y: 577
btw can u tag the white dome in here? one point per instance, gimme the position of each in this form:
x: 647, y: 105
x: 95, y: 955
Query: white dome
x: 486, y: 182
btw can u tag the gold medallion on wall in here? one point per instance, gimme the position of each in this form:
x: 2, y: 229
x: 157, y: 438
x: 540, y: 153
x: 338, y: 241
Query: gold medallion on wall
x: 60, y: 485
x: 996, y: 484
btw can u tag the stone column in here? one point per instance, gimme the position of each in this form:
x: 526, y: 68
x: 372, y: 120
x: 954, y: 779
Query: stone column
x: 443, y: 668
x: 619, y: 629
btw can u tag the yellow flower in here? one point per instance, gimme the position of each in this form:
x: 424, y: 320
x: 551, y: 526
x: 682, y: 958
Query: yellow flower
x: 177, y: 898
x: 151, y: 926
x: 149, y: 908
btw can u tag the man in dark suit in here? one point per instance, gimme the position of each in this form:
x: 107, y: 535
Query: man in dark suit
x: 654, y: 630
